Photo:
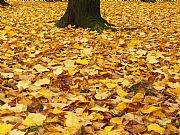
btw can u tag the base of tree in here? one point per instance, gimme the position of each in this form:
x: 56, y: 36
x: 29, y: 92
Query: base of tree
x: 149, y: 1
x: 3, y: 3
x: 97, y: 24
x: 85, y: 14
x: 56, y: 0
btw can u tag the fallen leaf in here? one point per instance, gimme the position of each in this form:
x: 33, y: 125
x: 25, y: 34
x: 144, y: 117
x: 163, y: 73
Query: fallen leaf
x: 42, y: 82
x: 58, y: 70
x: 121, y: 106
x: 23, y: 84
x: 82, y: 61
x: 156, y: 128
x: 5, y: 128
x: 34, y: 119
x: 116, y: 120
x: 99, y: 108
x: 72, y: 120
x: 122, y: 93
x: 150, y: 109
x: 16, y: 132
x: 111, y: 85
x: 101, y: 96
x: 40, y: 68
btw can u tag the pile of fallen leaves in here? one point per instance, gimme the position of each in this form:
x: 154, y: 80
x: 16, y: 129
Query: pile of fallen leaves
x: 74, y: 81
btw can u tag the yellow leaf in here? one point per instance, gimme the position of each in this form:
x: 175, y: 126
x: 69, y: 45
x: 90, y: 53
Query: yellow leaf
x: 121, y: 41
x: 138, y: 97
x: 86, y: 52
x: 71, y: 71
x: 34, y: 119
x: 116, y: 120
x: 84, y: 40
x: 45, y: 93
x: 71, y: 131
x: 151, y: 59
x: 42, y: 82
x: 51, y: 75
x: 101, y: 96
x: 125, y: 83
x: 141, y: 52
x: 77, y: 46
x: 156, y: 128
x: 122, y: 93
x: 82, y: 61
x: 99, y: 108
x: 16, y: 132
x: 7, y: 75
x: 108, y: 128
x: 158, y: 87
x: 40, y: 68
x: 172, y: 128
x: 150, y: 109
x: 72, y: 120
x: 170, y: 110
x: 53, y: 133
x: 91, y: 104
x: 58, y: 70
x: 11, y: 33
x: 133, y: 117
x: 121, y: 106
x: 175, y: 92
x: 56, y: 111
x: 19, y: 108
x: 8, y: 28
x: 69, y: 63
x: 51, y: 120
x: 5, y: 112
x: 111, y: 85
x: 104, y: 72
x: 5, y: 128
x: 75, y: 86
x: 97, y: 116
x: 174, y: 85
x: 3, y: 32
x: 23, y: 84
x: 103, y: 133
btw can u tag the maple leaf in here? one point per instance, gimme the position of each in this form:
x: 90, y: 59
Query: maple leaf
x: 40, y: 68
x: 111, y: 85
x: 122, y: 93
x: 42, y: 82
x: 16, y: 132
x: 23, y: 84
x: 101, y: 96
x: 121, y: 106
x: 82, y: 61
x: 72, y: 120
x: 5, y: 128
x: 34, y: 119
x: 99, y: 108
x: 58, y: 70
x: 156, y: 128
x: 150, y: 109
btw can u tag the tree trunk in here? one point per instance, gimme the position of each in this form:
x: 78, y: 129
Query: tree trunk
x: 148, y: 1
x: 3, y: 3
x: 85, y: 14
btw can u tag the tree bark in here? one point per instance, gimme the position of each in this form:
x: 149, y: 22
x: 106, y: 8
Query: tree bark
x: 85, y: 14
x: 3, y: 3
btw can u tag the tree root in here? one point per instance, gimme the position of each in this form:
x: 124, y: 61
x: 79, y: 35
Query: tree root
x: 95, y: 23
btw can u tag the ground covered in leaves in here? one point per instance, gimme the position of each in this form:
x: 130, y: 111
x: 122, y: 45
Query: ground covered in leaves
x: 74, y: 81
